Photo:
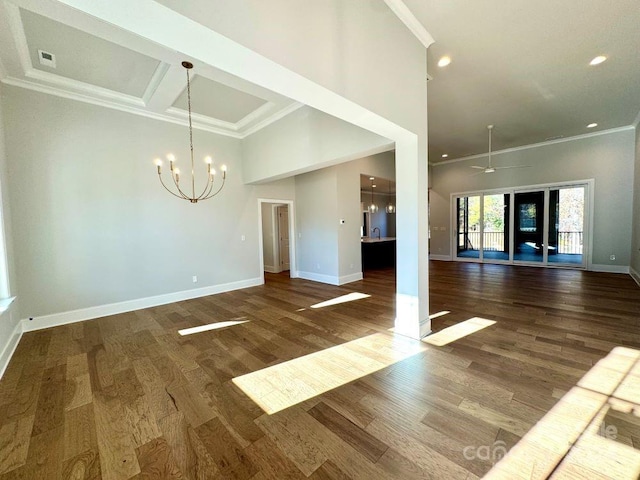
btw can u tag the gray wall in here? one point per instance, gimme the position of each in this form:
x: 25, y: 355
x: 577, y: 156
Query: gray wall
x: 607, y: 158
x: 635, y: 242
x: 93, y: 226
x: 303, y: 141
x: 317, y: 224
x: 327, y: 249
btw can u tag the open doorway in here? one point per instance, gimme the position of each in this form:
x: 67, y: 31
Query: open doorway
x: 276, y: 239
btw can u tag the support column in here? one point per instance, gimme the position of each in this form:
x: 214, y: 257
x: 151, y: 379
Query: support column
x: 412, y: 240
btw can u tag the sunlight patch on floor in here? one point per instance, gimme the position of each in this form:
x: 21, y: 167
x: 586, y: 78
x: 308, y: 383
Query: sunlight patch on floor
x: 289, y: 383
x: 458, y: 331
x: 583, y: 435
x: 350, y: 297
x: 210, y: 326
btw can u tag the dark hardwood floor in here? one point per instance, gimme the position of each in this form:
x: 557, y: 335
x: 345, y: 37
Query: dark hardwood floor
x: 127, y: 396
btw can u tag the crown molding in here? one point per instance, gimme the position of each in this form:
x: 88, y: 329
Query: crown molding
x: 37, y: 87
x: 411, y: 22
x: 273, y: 118
x: 534, y: 145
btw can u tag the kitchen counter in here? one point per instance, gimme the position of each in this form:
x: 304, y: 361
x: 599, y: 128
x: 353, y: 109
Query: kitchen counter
x: 376, y: 239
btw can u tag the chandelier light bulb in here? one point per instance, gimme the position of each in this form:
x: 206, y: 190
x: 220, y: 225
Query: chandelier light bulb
x: 171, y: 157
x: 208, y: 160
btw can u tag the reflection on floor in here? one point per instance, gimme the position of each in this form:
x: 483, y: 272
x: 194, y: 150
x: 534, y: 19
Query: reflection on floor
x: 578, y: 437
x: 524, y: 256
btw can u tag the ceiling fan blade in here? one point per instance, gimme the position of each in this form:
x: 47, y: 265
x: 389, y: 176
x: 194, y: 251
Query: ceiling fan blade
x: 478, y: 166
x: 513, y: 166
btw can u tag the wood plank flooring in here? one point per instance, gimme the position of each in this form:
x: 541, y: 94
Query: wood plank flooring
x: 127, y: 397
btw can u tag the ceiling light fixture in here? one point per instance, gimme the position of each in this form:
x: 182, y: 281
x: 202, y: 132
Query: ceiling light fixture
x: 390, y: 208
x: 598, y: 60
x: 207, y: 192
x: 592, y: 125
x: 372, y: 208
x: 444, y: 61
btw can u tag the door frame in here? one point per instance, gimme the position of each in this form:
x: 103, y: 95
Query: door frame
x: 293, y: 265
x: 589, y: 184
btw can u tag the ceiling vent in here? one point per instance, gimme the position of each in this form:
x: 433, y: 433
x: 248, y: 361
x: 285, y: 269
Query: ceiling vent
x: 47, y: 59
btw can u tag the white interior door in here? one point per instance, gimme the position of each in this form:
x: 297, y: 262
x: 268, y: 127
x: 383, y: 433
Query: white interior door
x: 283, y: 236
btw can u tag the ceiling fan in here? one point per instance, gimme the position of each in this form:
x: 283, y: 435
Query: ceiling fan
x: 490, y: 168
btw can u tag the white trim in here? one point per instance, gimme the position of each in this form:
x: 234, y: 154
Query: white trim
x: 18, y: 82
x: 319, y: 277
x: 73, y: 316
x: 635, y: 275
x: 412, y: 23
x: 271, y: 269
x: 156, y: 79
x: 292, y: 239
x: 596, y: 267
x: 273, y: 118
x: 442, y: 258
x: 263, y: 109
x: 10, y: 347
x: 535, y: 145
x: 636, y: 121
x: 353, y: 277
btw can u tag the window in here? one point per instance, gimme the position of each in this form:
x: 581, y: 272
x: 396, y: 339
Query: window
x: 528, y: 217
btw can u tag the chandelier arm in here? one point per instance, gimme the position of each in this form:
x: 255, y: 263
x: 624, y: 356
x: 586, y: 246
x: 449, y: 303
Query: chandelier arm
x: 224, y: 179
x: 208, y: 187
x: 182, y: 194
x: 167, y: 188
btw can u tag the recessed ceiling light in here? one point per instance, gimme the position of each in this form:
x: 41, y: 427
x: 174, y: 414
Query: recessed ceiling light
x: 372, y: 178
x: 374, y: 186
x: 444, y: 61
x: 591, y: 125
x: 445, y: 155
x: 598, y: 60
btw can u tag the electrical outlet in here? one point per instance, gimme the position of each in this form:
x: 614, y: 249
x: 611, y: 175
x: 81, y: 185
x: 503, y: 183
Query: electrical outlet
x: 194, y: 279
x: 242, y: 238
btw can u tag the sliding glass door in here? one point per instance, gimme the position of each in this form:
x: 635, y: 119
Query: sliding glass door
x: 541, y: 226
x: 468, y: 232
x: 566, y: 225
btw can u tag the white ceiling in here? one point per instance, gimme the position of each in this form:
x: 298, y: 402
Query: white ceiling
x: 523, y: 66
x: 520, y: 65
x: 99, y: 64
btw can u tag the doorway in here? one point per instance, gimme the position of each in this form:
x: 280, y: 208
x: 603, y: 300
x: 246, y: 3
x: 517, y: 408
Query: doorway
x: 276, y: 236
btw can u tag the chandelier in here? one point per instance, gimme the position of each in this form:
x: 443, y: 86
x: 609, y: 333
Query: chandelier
x: 372, y: 208
x: 208, y: 191
x: 390, y: 208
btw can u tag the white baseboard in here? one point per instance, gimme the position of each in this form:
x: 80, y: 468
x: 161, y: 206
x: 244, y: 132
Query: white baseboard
x: 635, y: 275
x: 10, y: 347
x: 444, y: 258
x: 595, y: 267
x: 82, y: 314
x: 319, y: 277
x: 271, y: 269
x: 354, y: 277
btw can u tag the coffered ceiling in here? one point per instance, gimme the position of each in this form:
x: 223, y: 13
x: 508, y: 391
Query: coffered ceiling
x: 98, y: 64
